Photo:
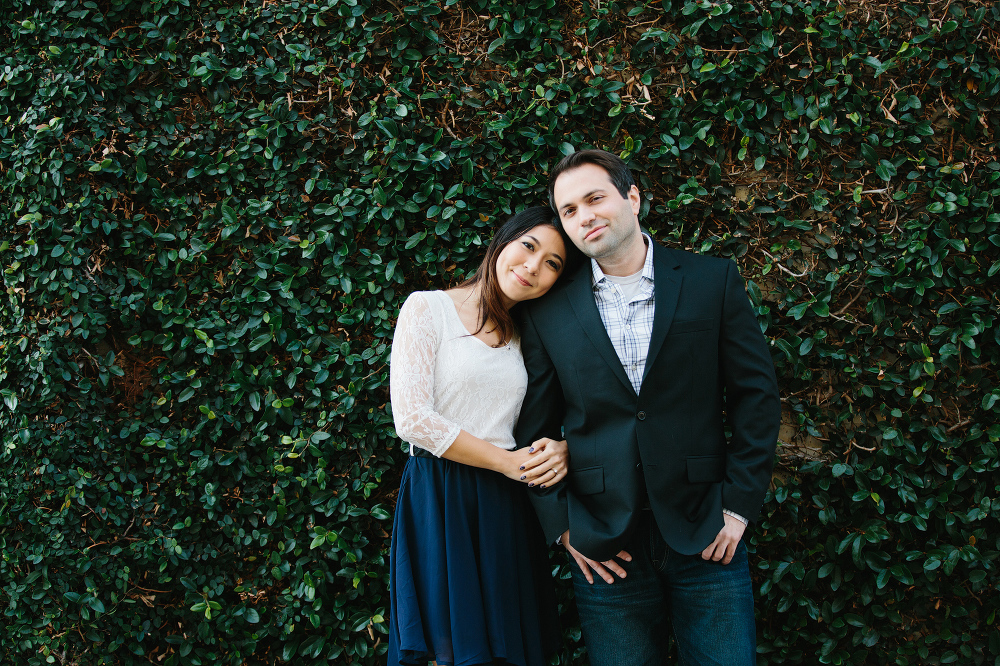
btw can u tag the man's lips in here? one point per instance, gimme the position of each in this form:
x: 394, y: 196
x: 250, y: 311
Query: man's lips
x: 520, y: 279
x: 594, y: 231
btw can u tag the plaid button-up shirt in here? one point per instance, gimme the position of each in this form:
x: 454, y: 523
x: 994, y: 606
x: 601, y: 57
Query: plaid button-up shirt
x: 629, y: 324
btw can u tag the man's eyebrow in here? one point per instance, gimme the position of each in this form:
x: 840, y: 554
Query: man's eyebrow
x: 538, y: 242
x: 585, y: 196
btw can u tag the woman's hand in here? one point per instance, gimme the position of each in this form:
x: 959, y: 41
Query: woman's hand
x: 547, y: 463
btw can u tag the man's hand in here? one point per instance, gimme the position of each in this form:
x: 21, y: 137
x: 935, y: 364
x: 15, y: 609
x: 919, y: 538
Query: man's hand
x: 601, y: 568
x: 724, y: 546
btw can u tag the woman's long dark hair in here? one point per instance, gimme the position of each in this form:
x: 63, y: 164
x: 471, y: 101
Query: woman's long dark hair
x: 491, y: 304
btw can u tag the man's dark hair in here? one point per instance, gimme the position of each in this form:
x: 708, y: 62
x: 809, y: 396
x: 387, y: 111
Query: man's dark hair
x: 615, y: 166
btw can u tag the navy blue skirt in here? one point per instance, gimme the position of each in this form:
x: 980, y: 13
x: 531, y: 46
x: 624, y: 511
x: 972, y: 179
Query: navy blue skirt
x: 469, y: 578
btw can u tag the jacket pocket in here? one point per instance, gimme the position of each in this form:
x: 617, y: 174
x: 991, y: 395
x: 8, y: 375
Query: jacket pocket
x: 587, y: 481
x: 706, y: 469
x: 690, y: 326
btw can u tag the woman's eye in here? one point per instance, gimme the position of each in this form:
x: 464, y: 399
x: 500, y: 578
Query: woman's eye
x: 528, y: 245
x: 554, y: 265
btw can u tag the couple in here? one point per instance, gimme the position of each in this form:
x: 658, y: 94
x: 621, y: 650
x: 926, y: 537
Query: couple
x: 623, y: 380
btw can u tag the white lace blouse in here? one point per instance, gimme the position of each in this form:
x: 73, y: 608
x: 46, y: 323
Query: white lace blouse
x: 443, y: 380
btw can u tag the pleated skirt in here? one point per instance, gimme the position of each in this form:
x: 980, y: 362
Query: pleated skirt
x: 469, y: 579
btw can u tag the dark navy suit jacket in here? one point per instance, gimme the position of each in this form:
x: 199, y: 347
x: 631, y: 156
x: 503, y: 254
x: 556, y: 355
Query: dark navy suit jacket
x: 708, y: 367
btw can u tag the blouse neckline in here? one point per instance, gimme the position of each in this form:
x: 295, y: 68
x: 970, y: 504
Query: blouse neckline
x: 454, y: 311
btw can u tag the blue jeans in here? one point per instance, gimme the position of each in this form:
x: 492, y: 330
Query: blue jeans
x: 708, y: 604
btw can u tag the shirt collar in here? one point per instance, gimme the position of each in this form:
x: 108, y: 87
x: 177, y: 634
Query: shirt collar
x: 600, y: 280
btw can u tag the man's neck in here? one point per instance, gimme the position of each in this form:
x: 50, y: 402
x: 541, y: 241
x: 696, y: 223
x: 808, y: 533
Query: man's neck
x: 627, y: 262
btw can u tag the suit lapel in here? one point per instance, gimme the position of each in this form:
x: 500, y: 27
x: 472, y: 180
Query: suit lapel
x: 667, y: 278
x: 581, y: 296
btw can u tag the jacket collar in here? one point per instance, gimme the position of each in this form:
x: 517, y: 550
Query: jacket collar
x: 667, y: 278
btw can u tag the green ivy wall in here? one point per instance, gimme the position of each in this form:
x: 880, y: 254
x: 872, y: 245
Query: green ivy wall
x: 210, y: 213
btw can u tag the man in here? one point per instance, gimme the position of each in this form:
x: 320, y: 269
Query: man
x: 643, y: 359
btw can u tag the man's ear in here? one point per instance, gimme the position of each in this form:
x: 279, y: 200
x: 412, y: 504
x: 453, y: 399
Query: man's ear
x: 635, y: 199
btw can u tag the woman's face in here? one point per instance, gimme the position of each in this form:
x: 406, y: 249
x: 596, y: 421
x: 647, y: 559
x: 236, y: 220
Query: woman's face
x: 528, y: 266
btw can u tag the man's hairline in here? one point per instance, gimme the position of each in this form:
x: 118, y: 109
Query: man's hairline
x: 606, y: 173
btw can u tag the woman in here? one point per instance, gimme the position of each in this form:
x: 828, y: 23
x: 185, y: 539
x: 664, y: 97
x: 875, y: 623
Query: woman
x: 469, y: 580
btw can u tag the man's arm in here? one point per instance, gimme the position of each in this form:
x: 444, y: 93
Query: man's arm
x: 753, y: 406
x: 542, y: 416
x: 753, y: 409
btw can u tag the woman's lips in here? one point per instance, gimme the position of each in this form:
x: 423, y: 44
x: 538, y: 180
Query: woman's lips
x: 520, y: 279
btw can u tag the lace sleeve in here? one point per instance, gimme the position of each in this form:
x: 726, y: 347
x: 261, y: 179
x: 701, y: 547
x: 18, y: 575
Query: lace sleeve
x: 411, y: 379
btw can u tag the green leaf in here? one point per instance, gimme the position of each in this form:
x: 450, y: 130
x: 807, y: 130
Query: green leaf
x: 799, y: 310
x: 312, y: 646
x: 259, y: 342
x: 289, y: 649
x: 869, y: 154
x: 885, y: 170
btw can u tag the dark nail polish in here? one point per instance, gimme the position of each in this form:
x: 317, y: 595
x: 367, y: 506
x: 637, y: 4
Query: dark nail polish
x: 521, y: 467
x: 531, y: 450
x: 542, y: 486
x: 531, y: 484
x: 522, y: 476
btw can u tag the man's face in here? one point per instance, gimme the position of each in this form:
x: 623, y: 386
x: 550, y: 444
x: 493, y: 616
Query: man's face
x: 598, y: 220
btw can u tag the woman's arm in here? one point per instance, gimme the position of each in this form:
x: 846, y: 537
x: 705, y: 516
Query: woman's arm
x: 411, y: 379
x: 545, y: 462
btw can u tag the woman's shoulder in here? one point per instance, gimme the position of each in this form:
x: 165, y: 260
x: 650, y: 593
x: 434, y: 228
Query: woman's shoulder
x: 424, y: 303
x: 427, y: 296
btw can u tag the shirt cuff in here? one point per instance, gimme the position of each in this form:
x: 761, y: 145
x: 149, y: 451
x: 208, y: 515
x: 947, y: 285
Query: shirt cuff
x: 736, y: 516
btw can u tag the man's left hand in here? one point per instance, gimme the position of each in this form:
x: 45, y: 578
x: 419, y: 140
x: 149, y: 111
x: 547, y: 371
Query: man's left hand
x: 724, y: 546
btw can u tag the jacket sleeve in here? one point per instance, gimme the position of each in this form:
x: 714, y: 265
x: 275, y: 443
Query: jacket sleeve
x: 411, y: 379
x: 542, y: 416
x: 753, y: 406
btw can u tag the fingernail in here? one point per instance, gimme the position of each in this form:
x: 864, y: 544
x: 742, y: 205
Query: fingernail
x: 530, y: 484
x: 531, y: 450
x: 542, y: 485
x: 523, y: 475
x: 521, y: 467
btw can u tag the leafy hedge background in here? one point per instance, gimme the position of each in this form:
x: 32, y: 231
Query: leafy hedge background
x: 211, y: 212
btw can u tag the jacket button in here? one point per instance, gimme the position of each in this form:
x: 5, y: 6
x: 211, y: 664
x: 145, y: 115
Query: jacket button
x: 639, y: 466
x: 641, y: 416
